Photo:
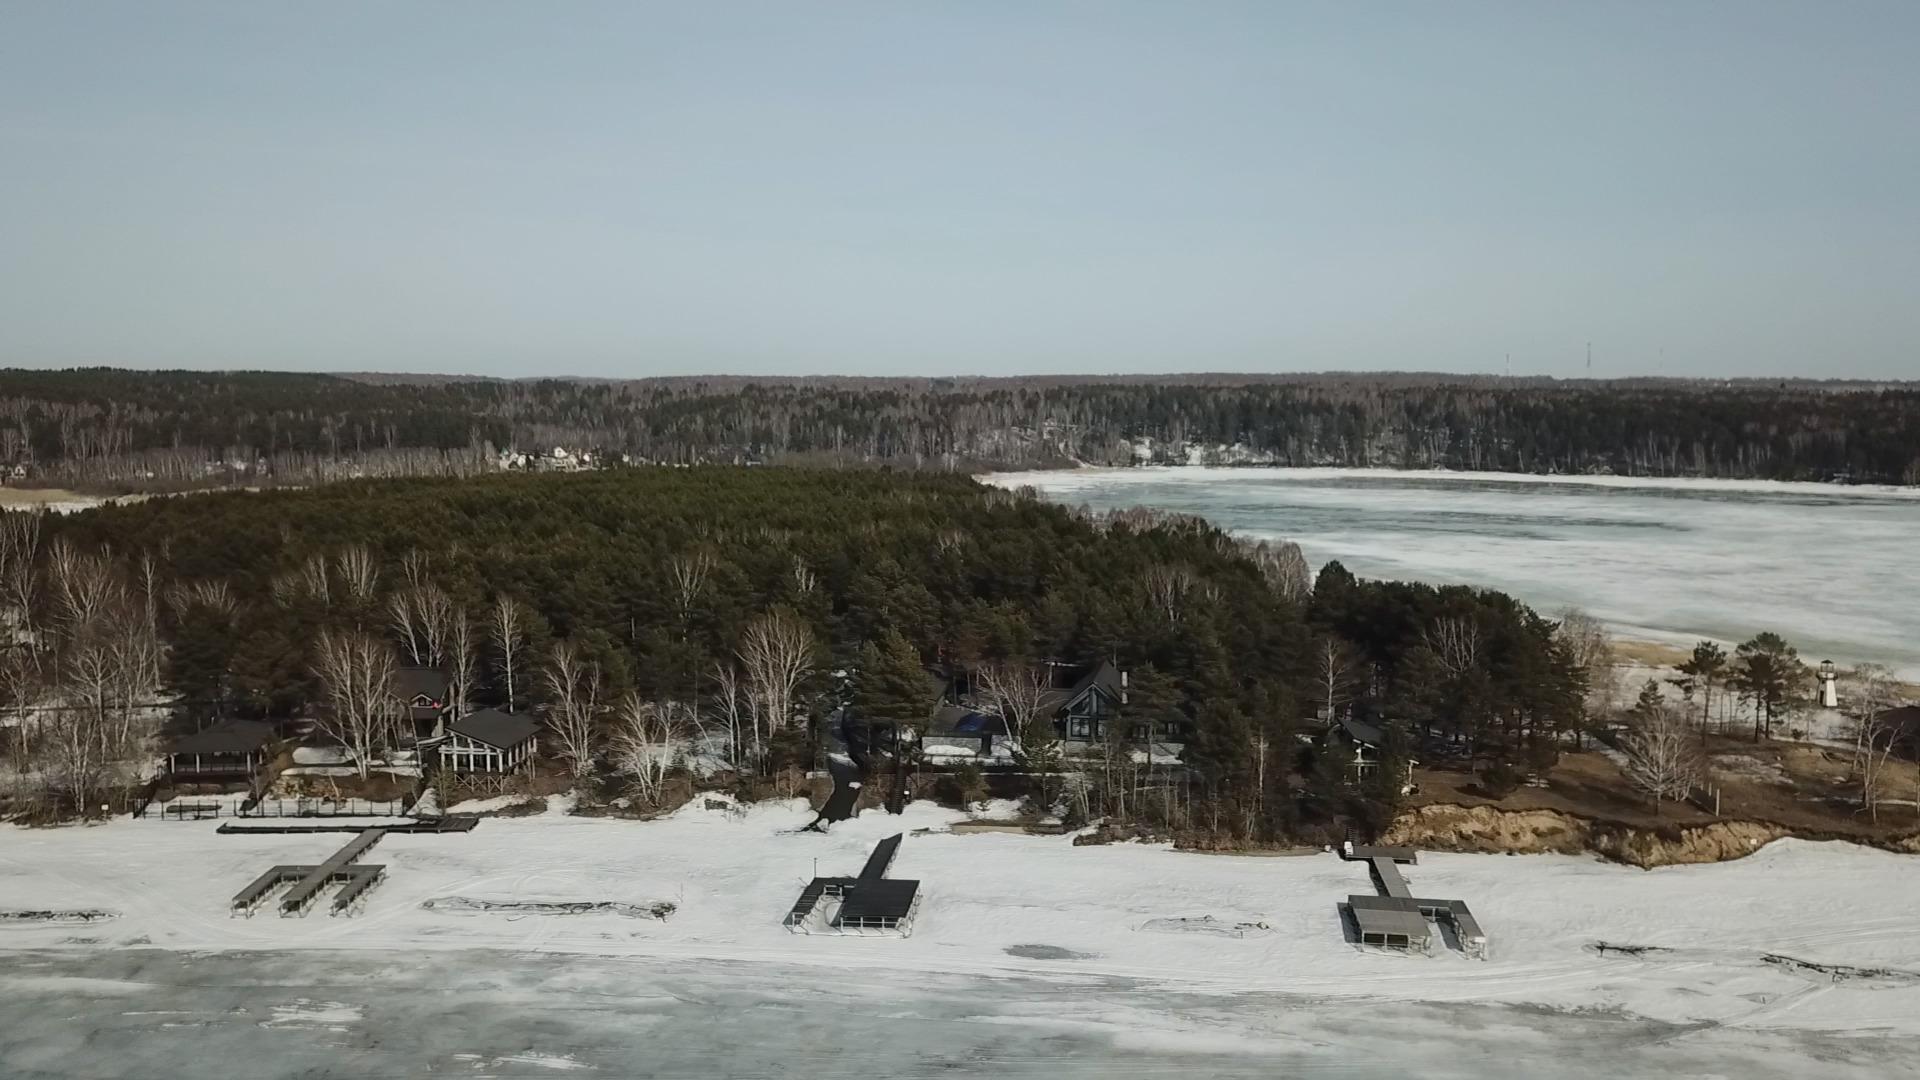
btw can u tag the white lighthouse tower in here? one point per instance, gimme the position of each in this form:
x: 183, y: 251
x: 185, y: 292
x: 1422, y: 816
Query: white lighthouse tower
x: 1829, y: 691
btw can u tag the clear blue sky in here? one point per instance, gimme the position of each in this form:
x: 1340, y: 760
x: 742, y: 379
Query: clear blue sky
x: 623, y: 189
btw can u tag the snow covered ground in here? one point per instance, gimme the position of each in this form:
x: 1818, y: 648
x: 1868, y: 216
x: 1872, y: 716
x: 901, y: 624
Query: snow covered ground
x: 731, y: 876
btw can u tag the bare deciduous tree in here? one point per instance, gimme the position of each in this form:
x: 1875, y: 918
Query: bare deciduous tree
x: 82, y: 742
x: 574, y: 692
x: 356, y: 672
x: 358, y: 577
x: 404, y: 618
x: 19, y: 564
x: 413, y: 568
x: 316, y: 580
x: 1455, y: 642
x: 1019, y: 693
x: 1876, y: 748
x: 1168, y: 588
x: 1284, y: 566
x: 436, y: 621
x: 1589, y: 648
x: 804, y: 579
x: 1662, y: 754
x: 687, y: 575
x: 213, y: 594
x: 776, y: 656
x: 728, y: 706
x: 1871, y: 691
x: 462, y: 659
x: 83, y: 586
x: 648, y: 738
x: 507, y: 626
x: 1335, y: 671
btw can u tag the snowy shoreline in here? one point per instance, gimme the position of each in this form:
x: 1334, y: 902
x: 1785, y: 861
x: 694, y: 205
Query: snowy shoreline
x: 731, y: 874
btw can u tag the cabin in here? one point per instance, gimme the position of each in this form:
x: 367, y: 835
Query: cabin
x: 234, y: 750
x: 1084, y: 707
x: 489, y: 741
x: 425, y: 693
x: 1363, y: 742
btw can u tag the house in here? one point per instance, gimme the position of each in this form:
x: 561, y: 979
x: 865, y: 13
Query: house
x: 235, y: 750
x: 1083, y: 707
x: 1364, y: 742
x: 424, y: 691
x: 488, y: 741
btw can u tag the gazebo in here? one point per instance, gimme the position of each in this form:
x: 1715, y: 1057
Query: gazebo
x: 489, y: 741
x: 235, y: 749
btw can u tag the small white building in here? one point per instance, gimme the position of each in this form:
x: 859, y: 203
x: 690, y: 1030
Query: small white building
x: 489, y: 741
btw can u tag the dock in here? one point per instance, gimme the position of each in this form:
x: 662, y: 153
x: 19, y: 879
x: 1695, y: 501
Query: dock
x: 1394, y: 918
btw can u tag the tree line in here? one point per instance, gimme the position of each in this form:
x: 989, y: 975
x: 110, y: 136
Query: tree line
x: 650, y: 615
x: 174, y: 430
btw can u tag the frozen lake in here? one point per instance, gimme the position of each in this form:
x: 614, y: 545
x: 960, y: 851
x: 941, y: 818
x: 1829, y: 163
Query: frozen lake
x: 143, y: 1013
x: 1031, y: 956
x: 1836, y: 570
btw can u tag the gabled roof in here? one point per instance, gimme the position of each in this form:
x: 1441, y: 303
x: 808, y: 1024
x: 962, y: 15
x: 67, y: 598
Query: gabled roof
x: 1103, y: 677
x: 232, y: 737
x: 1362, y: 732
x: 495, y: 728
x: 410, y: 682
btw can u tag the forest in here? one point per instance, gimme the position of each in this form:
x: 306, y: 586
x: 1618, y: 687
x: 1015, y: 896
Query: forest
x: 646, y: 611
x: 111, y: 429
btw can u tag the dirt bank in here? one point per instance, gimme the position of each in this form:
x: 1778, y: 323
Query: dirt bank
x: 1487, y: 829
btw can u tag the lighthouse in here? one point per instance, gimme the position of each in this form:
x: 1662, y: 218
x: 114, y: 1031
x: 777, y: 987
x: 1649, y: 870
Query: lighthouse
x: 1829, y: 691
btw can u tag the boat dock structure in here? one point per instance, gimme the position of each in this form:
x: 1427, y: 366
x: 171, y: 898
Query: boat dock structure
x: 1394, y: 918
x: 304, y: 885
x: 871, y: 904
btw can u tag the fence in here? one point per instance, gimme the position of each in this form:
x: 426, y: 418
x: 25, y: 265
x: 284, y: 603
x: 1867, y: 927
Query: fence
x: 326, y: 807
x: 191, y: 810
x: 1706, y: 797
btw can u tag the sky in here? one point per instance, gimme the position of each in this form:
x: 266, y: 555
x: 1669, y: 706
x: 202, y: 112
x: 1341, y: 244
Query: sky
x: 993, y: 187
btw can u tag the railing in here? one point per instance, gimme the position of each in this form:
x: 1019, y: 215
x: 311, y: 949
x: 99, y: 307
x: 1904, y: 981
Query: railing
x: 323, y: 807
x: 183, y: 811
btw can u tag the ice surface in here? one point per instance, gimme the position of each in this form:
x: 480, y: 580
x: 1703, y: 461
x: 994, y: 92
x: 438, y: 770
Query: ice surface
x: 732, y: 873
x: 481, y: 1013
x: 1832, y: 568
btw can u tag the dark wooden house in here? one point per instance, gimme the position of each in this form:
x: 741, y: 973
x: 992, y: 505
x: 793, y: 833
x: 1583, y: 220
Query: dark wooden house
x: 424, y: 691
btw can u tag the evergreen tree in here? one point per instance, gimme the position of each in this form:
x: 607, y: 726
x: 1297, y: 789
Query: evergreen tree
x: 1770, y: 672
x: 1701, y: 672
x: 892, y: 688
